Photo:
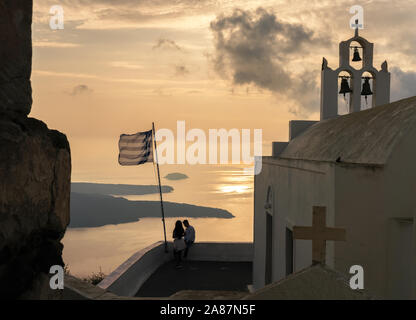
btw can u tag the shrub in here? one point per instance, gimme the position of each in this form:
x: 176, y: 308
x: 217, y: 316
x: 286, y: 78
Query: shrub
x: 95, y: 277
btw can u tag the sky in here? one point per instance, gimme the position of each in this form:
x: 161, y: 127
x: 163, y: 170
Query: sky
x: 118, y: 65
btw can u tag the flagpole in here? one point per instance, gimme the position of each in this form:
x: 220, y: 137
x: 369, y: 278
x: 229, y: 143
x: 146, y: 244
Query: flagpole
x: 160, y: 187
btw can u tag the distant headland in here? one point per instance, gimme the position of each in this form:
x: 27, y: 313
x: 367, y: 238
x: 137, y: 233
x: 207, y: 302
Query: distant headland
x: 96, y: 210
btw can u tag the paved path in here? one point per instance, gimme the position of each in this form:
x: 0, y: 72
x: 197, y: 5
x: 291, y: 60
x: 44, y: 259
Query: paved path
x: 197, y: 275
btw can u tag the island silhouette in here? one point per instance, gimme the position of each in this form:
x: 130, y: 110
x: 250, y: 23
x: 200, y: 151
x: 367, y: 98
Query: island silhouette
x: 176, y: 176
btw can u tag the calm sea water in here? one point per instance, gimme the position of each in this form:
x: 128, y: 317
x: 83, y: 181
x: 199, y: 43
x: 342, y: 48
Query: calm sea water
x: 88, y: 250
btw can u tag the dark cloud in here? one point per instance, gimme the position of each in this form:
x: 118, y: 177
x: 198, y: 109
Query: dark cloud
x: 181, y: 70
x: 255, y: 48
x: 80, y: 90
x: 403, y: 84
x: 164, y: 43
x: 306, y: 91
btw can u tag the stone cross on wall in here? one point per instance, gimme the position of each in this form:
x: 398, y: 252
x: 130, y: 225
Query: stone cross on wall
x: 319, y: 233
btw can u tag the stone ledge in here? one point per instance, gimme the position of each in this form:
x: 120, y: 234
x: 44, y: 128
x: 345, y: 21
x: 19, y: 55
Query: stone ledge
x: 76, y: 289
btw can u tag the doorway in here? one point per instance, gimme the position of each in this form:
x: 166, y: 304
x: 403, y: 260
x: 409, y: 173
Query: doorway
x: 289, y: 251
x: 400, y: 263
x: 269, y: 249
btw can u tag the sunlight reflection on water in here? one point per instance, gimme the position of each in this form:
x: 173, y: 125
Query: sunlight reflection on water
x: 234, y: 189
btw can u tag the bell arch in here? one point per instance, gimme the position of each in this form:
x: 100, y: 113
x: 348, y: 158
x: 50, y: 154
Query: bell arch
x: 345, y: 83
x: 368, y: 79
x: 357, y: 51
x: 330, y: 82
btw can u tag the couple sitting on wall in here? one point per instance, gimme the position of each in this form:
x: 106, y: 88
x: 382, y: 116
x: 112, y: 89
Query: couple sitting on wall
x: 183, y: 240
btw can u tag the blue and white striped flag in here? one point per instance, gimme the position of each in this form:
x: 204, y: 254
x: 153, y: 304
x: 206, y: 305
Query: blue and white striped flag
x: 135, y: 149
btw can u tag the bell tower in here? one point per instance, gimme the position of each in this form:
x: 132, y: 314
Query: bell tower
x: 356, y: 84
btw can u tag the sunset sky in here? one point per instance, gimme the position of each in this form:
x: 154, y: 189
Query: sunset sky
x: 120, y: 64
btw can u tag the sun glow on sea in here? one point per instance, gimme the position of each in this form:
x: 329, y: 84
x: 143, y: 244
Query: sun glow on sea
x: 234, y: 189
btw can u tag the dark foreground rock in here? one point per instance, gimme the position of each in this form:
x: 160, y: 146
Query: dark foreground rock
x: 35, y: 169
x: 15, y: 56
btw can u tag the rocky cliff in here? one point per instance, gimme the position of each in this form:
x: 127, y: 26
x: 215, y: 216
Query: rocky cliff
x: 15, y: 56
x: 35, y: 170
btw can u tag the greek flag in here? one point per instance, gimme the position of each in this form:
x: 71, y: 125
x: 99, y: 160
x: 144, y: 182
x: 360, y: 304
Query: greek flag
x: 135, y: 149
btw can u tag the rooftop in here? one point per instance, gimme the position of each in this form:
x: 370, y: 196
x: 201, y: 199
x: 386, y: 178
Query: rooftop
x: 365, y: 137
x: 211, y: 278
x: 314, y: 283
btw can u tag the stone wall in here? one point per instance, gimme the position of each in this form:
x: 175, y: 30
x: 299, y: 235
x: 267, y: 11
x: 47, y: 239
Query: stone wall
x: 35, y: 170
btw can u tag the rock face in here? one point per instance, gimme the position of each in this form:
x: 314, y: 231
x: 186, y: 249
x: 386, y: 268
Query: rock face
x: 15, y: 56
x: 35, y: 170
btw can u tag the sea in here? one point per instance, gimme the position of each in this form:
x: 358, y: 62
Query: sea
x: 103, y: 249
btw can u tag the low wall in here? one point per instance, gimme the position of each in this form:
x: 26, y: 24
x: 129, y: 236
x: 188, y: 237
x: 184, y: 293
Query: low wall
x: 127, y: 279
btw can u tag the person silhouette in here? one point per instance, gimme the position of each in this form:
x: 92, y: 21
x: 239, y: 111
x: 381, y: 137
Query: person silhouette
x: 178, y: 243
x: 189, y: 237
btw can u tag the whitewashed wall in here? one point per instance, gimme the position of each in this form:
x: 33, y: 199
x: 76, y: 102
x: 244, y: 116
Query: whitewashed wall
x: 298, y: 186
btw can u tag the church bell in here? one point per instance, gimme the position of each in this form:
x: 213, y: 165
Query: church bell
x: 356, y: 55
x: 366, y: 88
x: 345, y: 87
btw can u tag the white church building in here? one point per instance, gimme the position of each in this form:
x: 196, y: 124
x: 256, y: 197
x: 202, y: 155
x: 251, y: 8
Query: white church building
x: 360, y: 166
